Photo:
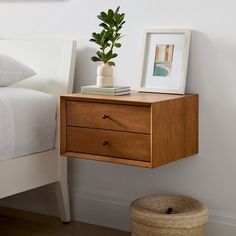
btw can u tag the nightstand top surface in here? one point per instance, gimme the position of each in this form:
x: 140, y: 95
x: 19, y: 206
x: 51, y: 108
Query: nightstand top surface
x: 134, y: 97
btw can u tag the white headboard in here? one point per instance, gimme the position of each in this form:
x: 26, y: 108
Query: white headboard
x: 53, y: 61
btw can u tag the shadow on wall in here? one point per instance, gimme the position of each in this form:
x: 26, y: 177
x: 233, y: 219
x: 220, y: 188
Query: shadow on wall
x: 212, y: 75
x: 85, y: 69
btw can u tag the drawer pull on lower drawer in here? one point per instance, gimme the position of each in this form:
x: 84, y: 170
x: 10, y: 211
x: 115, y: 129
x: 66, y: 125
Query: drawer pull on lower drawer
x: 105, y: 117
x: 105, y: 143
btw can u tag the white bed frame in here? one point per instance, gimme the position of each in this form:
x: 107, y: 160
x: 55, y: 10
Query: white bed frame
x: 54, y: 63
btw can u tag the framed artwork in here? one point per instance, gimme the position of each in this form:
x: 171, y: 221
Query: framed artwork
x: 165, y: 60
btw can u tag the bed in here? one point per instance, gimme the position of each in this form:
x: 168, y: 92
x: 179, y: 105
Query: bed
x: 23, y: 169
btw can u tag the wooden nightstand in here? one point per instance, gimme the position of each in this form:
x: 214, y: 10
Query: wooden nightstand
x: 141, y: 129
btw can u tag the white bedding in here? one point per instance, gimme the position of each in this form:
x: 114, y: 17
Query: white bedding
x: 27, y: 122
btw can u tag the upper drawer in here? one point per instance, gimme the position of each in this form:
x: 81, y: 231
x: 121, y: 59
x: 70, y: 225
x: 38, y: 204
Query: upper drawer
x: 108, y: 116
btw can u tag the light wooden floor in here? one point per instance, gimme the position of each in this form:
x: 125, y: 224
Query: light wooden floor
x: 20, y: 223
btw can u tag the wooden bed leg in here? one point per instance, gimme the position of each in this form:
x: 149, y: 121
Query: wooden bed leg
x: 62, y: 192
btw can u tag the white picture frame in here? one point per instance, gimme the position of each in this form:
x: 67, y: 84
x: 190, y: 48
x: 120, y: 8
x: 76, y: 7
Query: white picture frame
x: 165, y: 60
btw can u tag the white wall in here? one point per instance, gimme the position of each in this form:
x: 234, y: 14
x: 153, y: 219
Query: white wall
x: 101, y: 192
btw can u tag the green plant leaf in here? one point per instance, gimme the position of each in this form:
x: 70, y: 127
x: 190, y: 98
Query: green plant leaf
x: 111, y: 63
x: 114, y: 55
x: 94, y: 34
x: 117, y: 35
x: 117, y: 9
x: 104, y: 25
x: 117, y: 18
x: 95, y: 59
x: 100, y: 17
x: 110, y: 13
x: 99, y: 54
x: 118, y: 45
x: 93, y: 40
x: 103, y: 14
x: 120, y: 37
x: 109, y: 54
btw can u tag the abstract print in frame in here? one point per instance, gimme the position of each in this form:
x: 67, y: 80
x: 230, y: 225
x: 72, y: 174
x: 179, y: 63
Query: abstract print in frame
x: 165, y: 60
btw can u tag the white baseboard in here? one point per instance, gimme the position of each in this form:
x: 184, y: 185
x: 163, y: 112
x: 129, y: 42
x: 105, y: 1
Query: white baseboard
x: 221, y: 224
x: 106, y: 209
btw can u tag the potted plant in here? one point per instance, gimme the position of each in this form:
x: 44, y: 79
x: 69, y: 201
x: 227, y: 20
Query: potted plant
x: 107, y: 40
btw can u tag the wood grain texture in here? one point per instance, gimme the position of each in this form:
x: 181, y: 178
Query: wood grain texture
x: 167, y: 131
x: 191, y: 125
x: 115, y: 160
x: 172, y: 121
x: 125, y: 145
x: 117, y: 117
x: 135, y: 98
x: 174, y: 129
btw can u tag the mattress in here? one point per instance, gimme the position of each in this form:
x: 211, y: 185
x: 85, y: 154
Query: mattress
x: 27, y: 122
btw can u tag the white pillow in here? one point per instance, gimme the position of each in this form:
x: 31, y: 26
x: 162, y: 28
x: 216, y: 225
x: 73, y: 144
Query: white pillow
x: 12, y: 71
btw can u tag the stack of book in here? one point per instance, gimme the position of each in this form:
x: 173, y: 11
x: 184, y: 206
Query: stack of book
x: 113, y: 91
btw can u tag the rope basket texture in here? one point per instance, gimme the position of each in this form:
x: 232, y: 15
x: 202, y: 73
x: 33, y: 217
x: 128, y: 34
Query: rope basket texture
x: 168, y: 215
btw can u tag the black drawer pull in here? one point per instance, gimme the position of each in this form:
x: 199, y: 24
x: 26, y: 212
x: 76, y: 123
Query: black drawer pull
x: 105, y: 117
x: 105, y: 143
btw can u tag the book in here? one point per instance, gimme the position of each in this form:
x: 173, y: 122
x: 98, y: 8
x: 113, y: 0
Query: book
x: 97, y: 88
x: 115, y: 90
x: 111, y: 93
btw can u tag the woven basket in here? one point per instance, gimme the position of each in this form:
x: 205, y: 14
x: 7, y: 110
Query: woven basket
x: 187, y: 217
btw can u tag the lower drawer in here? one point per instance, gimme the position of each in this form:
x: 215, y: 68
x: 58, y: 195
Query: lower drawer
x: 124, y: 145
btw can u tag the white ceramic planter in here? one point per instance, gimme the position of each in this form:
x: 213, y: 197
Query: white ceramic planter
x: 105, y: 75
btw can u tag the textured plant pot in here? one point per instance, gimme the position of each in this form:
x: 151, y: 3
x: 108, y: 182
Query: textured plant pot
x: 149, y: 216
x: 104, y: 75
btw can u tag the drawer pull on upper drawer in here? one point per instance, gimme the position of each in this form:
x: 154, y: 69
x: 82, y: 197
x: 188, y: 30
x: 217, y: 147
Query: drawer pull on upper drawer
x: 105, y: 117
x: 105, y: 143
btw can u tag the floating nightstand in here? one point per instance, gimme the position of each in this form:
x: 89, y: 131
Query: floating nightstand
x: 140, y: 129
